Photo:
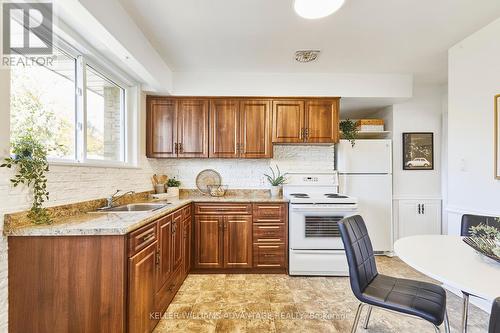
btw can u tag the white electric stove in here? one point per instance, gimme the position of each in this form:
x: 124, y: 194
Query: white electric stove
x: 315, y: 209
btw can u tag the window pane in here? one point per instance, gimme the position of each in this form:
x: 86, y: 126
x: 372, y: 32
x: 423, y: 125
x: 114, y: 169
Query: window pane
x: 104, y: 118
x: 43, y: 103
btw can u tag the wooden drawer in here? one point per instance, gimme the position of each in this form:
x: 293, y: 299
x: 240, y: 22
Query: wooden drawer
x: 263, y: 233
x: 139, y: 239
x: 186, y: 212
x: 269, y: 255
x: 166, y: 294
x: 223, y: 209
x: 265, y: 211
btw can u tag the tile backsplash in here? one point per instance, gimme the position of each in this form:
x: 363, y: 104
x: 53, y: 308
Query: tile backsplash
x: 240, y: 173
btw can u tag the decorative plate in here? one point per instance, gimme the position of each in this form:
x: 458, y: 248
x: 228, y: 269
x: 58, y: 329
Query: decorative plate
x: 207, y: 177
x: 487, y: 247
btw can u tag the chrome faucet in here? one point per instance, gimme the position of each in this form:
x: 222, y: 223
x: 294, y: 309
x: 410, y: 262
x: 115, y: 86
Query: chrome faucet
x: 112, y: 198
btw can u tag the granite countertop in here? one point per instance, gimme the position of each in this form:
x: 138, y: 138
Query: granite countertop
x: 112, y: 223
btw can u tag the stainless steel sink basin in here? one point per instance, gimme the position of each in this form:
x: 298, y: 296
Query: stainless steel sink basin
x: 137, y: 207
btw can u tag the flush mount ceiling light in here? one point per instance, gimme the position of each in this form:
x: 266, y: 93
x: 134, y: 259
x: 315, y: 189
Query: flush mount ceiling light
x: 306, y: 55
x: 315, y: 9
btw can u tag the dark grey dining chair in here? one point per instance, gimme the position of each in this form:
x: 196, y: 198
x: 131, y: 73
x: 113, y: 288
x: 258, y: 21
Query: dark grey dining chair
x: 468, y: 221
x: 415, y: 298
x: 495, y: 317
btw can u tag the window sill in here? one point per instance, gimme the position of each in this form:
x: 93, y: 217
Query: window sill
x: 106, y: 165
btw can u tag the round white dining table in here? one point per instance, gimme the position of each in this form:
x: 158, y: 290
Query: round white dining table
x: 449, y: 260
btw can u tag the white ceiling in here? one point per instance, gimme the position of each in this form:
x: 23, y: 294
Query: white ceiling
x: 365, y: 36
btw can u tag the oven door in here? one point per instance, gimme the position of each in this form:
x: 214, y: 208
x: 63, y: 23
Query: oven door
x: 315, y: 226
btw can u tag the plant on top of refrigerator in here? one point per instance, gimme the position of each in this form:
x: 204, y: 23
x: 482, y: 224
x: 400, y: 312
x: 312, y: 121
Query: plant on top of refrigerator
x: 349, y: 130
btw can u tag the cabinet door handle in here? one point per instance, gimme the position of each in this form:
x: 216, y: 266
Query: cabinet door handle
x: 423, y: 207
x: 419, y: 209
x: 180, y: 148
x: 301, y: 134
x: 307, y: 133
x: 176, y: 147
x: 148, y: 237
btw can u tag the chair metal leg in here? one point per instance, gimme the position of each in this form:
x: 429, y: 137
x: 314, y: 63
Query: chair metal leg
x: 436, y: 328
x: 446, y: 322
x: 367, y: 318
x: 356, y: 318
x: 465, y: 311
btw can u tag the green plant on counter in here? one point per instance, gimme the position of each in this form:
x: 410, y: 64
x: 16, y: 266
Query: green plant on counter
x: 277, y: 178
x: 349, y: 130
x: 172, y: 182
x: 29, y: 156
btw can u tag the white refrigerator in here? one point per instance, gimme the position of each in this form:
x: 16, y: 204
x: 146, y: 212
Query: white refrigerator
x: 365, y: 172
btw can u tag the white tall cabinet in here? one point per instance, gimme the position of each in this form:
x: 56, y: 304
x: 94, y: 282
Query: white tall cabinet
x: 419, y: 217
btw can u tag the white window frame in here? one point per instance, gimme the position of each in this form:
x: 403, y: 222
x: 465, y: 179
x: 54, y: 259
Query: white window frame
x: 81, y: 96
x: 129, y: 96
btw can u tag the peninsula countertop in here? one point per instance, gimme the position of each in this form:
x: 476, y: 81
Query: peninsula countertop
x: 113, y: 223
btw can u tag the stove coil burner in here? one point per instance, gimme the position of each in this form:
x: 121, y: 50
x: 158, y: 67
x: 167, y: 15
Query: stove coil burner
x: 300, y: 195
x: 335, y: 196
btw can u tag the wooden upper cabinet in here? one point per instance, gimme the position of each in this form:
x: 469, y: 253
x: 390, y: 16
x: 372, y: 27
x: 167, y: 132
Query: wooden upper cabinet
x: 238, y: 241
x: 236, y: 127
x: 288, y: 121
x: 192, y: 128
x: 161, y: 127
x: 322, y: 121
x: 255, y: 129
x: 224, y: 128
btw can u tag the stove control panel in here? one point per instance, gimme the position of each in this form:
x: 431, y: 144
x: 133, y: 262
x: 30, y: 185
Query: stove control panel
x: 310, y: 179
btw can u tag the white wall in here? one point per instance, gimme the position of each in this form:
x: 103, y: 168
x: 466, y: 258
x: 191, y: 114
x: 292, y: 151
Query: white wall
x: 474, y: 79
x: 4, y: 149
x: 110, y: 30
x: 422, y: 113
x: 293, y: 84
x: 248, y: 174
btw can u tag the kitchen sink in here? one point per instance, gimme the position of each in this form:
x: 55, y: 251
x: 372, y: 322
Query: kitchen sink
x: 138, y: 207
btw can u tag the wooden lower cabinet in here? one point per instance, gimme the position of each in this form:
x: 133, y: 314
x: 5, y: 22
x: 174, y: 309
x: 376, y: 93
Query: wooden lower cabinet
x: 208, y: 241
x: 256, y: 239
x: 141, y: 285
x: 177, y: 240
x: 92, y: 284
x: 270, y: 241
x: 238, y: 241
x: 188, y: 244
x: 124, y: 283
x: 164, y: 264
x: 67, y: 284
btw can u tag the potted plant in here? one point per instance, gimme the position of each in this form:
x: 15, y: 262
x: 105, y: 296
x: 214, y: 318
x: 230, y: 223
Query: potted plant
x: 29, y: 157
x: 276, y: 180
x: 349, y: 130
x: 173, y: 186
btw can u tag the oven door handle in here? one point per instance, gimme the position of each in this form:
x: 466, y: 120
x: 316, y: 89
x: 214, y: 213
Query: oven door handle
x: 340, y: 209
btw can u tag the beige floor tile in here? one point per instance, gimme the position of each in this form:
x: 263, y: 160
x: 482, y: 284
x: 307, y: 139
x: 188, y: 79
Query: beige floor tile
x: 281, y: 303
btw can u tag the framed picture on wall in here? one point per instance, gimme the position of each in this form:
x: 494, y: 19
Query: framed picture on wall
x: 418, y: 151
x: 497, y: 136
